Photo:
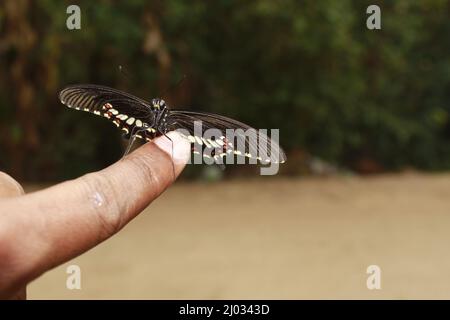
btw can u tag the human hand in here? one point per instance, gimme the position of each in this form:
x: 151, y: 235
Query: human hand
x: 42, y: 230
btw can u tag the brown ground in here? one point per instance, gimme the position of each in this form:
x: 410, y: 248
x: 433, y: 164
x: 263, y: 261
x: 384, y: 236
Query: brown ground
x: 272, y: 238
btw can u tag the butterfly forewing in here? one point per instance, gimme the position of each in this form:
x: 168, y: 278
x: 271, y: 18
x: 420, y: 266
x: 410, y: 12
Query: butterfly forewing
x: 129, y: 113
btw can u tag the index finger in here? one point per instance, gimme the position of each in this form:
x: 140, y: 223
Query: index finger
x: 43, y: 229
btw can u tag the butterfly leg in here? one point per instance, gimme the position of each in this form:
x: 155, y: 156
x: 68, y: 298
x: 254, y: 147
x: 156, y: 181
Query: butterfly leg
x: 133, y: 134
x: 173, y: 166
x: 130, y: 144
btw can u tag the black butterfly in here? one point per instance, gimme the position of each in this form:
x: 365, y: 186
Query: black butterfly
x: 141, y: 119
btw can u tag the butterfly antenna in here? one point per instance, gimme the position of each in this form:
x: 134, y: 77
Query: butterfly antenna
x: 184, y: 76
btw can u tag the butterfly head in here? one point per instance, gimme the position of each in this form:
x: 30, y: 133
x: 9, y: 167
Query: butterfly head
x: 158, y: 104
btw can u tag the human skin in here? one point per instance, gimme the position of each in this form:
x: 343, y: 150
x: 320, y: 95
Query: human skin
x: 41, y: 230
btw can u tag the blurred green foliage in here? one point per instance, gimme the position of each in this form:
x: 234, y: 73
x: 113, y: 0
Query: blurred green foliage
x: 311, y: 68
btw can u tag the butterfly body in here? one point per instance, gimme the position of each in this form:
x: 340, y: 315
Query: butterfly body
x: 147, y: 120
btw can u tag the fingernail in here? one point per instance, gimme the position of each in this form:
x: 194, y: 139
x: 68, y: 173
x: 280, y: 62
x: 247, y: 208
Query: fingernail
x: 179, y: 148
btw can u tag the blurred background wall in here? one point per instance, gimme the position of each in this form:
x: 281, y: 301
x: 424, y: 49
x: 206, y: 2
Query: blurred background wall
x: 369, y: 101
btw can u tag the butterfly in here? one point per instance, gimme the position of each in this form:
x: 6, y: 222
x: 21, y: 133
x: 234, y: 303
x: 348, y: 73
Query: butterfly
x: 138, y: 118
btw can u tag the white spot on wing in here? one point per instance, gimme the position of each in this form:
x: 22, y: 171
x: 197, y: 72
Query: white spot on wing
x: 213, y: 143
x: 199, y: 141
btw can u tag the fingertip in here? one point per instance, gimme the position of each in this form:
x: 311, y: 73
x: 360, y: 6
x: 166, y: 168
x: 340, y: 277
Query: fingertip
x: 178, y: 148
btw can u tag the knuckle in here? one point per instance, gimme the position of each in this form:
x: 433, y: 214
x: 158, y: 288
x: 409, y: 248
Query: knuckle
x: 103, y: 194
x: 148, y: 174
